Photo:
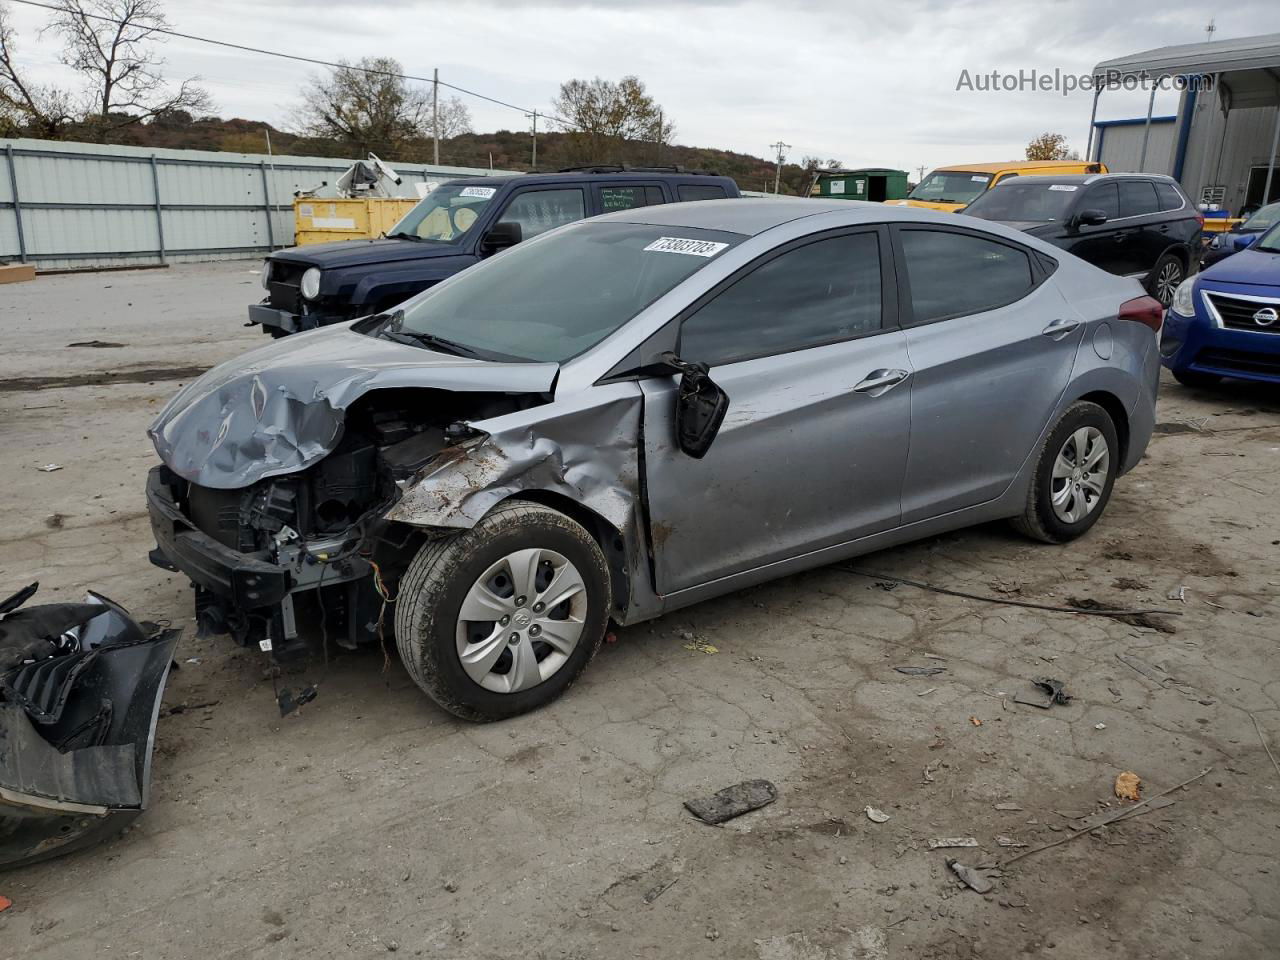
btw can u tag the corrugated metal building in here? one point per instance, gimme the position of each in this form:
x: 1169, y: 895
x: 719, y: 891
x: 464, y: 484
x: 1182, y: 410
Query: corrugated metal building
x: 81, y: 205
x: 1222, y: 145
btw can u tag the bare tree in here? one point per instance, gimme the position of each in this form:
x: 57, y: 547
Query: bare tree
x: 454, y: 119
x: 366, y: 106
x: 112, y: 42
x: 26, y: 106
x: 601, y: 116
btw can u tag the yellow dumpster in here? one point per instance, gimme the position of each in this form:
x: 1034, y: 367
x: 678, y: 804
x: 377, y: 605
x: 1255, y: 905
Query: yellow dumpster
x: 317, y: 220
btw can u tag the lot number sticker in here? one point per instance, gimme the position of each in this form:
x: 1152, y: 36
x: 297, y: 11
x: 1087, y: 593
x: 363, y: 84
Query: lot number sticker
x: 691, y: 248
x: 484, y: 193
x: 1065, y: 187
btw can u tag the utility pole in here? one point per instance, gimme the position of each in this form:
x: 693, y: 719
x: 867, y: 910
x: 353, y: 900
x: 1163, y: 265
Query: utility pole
x: 1210, y: 30
x: 921, y: 169
x: 435, y: 113
x: 777, y: 177
x: 659, y: 135
x: 534, y: 115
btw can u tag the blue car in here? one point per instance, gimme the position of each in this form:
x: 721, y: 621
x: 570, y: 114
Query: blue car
x: 1225, y: 321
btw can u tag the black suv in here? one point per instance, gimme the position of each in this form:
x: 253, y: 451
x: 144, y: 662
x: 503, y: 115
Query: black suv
x: 456, y: 225
x: 1135, y: 225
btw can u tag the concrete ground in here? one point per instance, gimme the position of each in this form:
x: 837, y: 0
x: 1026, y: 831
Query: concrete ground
x: 370, y: 821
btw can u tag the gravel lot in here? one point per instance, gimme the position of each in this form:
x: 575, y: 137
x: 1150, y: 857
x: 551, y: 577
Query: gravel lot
x: 370, y: 821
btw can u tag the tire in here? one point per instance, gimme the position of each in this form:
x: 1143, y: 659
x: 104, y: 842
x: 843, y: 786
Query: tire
x: 1165, y: 277
x: 1041, y: 520
x: 1195, y: 379
x: 432, y: 637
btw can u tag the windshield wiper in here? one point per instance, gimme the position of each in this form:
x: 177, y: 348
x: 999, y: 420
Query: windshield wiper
x: 402, y: 234
x: 393, y: 329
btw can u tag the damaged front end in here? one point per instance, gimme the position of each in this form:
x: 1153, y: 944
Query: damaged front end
x: 80, y: 691
x: 280, y: 469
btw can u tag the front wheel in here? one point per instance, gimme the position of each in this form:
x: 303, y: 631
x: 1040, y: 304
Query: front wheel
x: 500, y: 619
x: 1073, y: 477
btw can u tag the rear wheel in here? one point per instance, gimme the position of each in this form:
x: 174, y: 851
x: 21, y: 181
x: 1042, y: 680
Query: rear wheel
x: 1195, y: 379
x: 500, y: 619
x: 1074, y: 474
x: 1165, y: 278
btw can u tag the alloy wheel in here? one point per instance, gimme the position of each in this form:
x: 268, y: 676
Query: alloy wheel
x: 1167, y: 282
x: 1080, y: 475
x: 521, y: 620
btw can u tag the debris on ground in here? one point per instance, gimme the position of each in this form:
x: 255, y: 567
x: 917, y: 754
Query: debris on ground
x: 876, y: 816
x: 1148, y: 671
x: 1009, y: 842
x: 975, y: 721
x: 920, y: 671
x: 1129, y: 583
x: 925, y: 693
x: 289, y: 701
x: 1054, y: 691
x: 1178, y: 593
x: 1135, y: 618
x: 1265, y: 746
x: 944, y: 843
x: 98, y: 344
x: 971, y: 878
x: 5, y: 903
x: 658, y: 890
x: 1129, y: 786
x: 1008, y: 806
x: 698, y: 645
x: 49, y: 467
x: 1108, y: 816
x: 733, y: 801
x: 1099, y: 726
x: 54, y: 521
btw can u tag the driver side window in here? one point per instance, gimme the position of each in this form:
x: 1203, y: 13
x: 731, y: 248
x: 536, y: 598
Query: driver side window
x: 538, y: 211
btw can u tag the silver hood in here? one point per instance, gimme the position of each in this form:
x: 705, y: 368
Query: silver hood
x: 279, y: 408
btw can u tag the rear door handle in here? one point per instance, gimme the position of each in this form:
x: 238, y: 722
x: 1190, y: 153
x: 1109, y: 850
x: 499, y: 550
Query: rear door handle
x: 879, y: 382
x: 1060, y: 328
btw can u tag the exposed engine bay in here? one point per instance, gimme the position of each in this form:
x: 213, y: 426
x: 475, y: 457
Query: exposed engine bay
x: 324, y: 526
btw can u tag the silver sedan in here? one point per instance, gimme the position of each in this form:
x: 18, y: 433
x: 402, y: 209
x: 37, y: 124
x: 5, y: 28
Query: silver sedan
x: 637, y: 412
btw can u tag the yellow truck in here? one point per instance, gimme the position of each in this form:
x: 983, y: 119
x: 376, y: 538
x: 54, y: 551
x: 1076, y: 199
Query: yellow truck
x: 953, y: 188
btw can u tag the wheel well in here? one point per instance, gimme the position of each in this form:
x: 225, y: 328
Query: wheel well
x: 610, y: 540
x: 1115, y: 409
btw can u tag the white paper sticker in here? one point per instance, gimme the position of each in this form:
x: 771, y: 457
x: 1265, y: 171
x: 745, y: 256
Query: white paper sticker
x: 1064, y: 187
x: 483, y: 193
x: 306, y: 210
x: 692, y: 248
x: 980, y: 179
x: 837, y: 186
x: 265, y: 644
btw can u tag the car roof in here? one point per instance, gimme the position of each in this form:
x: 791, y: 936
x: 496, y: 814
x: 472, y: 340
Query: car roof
x: 580, y: 175
x: 1093, y: 177
x: 750, y: 216
x: 1010, y: 165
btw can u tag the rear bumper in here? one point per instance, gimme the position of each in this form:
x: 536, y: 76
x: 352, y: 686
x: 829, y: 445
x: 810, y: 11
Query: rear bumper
x: 248, y: 581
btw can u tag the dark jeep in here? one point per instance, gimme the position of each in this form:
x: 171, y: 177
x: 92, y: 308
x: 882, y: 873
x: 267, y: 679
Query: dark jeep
x: 456, y: 225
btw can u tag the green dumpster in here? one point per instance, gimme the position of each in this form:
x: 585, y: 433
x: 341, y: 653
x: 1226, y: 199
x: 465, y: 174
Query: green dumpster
x: 875, y: 184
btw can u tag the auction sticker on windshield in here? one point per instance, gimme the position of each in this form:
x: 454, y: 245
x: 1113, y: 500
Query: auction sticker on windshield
x: 692, y: 248
x: 484, y: 193
x: 1063, y: 187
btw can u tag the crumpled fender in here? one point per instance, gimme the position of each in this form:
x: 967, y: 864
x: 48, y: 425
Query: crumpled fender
x: 280, y: 408
x: 587, y: 453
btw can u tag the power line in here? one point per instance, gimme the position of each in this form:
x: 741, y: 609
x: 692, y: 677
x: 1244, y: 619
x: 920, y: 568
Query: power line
x: 291, y: 56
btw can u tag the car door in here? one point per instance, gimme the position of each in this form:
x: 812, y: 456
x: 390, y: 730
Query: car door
x: 991, y: 347
x: 1140, y: 215
x: 805, y: 343
x: 1107, y: 246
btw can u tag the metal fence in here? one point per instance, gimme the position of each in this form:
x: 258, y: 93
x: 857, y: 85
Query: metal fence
x: 84, y: 206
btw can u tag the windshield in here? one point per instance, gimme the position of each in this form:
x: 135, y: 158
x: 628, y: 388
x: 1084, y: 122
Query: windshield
x: 1019, y: 200
x: 445, y: 214
x: 1263, y: 219
x: 1269, y: 241
x: 943, y: 186
x: 551, y: 299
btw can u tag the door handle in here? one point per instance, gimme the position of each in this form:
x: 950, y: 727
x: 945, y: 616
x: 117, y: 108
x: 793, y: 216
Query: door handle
x: 879, y: 382
x: 1060, y: 328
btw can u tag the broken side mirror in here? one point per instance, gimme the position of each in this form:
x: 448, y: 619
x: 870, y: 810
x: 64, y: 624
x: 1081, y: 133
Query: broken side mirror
x: 700, y: 406
x: 501, y: 236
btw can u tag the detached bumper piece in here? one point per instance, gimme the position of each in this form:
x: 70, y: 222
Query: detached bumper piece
x: 80, y: 691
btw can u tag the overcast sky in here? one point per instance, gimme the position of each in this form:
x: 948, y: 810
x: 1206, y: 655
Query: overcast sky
x: 868, y: 83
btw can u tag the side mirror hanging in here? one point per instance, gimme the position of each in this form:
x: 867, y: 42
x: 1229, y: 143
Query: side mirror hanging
x: 700, y: 406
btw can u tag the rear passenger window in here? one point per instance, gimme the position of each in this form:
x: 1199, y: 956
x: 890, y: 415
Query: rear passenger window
x: 1104, y: 197
x: 956, y: 274
x: 1168, y: 195
x: 1137, y: 197
x: 698, y: 191
x: 822, y: 292
x: 628, y: 198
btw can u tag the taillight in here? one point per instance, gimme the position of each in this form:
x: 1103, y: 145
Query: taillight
x: 1145, y: 310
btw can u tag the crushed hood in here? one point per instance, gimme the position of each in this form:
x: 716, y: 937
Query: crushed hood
x: 279, y: 408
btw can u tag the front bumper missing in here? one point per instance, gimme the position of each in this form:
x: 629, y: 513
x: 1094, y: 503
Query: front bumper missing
x: 77, y: 731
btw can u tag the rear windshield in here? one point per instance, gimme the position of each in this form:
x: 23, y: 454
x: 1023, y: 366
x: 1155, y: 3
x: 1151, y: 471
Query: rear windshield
x: 949, y: 186
x: 1026, y: 202
x: 552, y: 298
